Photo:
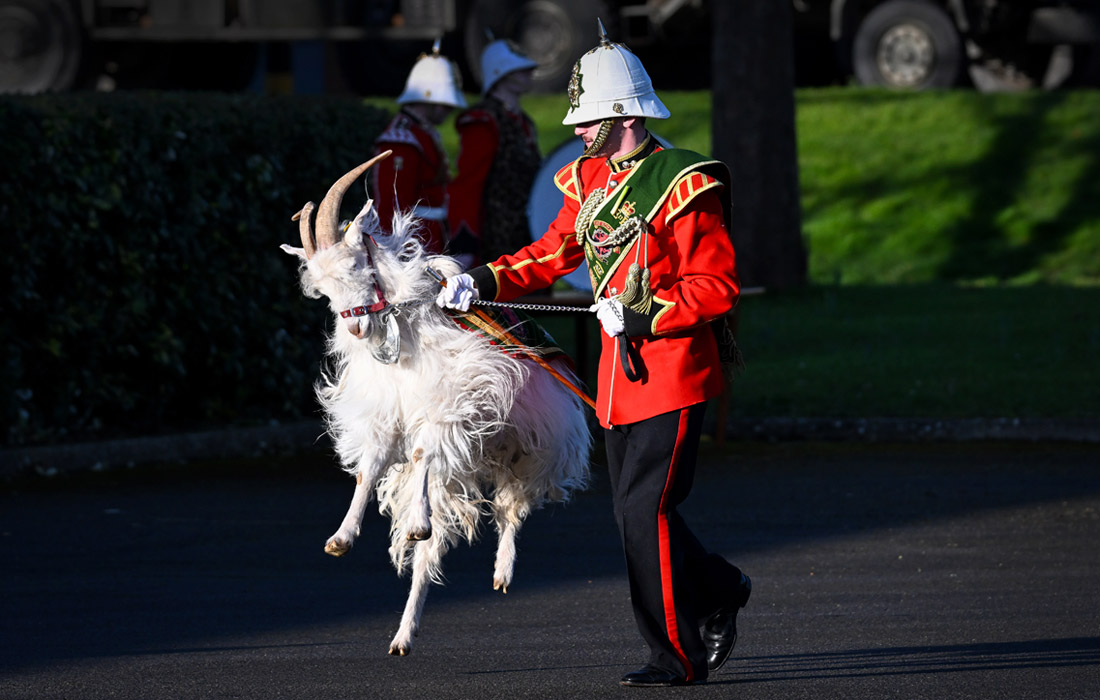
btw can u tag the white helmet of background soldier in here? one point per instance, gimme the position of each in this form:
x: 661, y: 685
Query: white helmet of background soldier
x: 500, y: 58
x: 435, y: 80
x: 608, y: 82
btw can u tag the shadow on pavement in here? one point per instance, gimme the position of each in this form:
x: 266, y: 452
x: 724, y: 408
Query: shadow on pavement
x: 860, y: 663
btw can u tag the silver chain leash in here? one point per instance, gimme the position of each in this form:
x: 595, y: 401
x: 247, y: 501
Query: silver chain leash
x: 532, y: 307
x: 511, y: 305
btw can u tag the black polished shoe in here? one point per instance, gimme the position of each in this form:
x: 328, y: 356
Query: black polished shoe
x: 652, y: 677
x: 720, y: 630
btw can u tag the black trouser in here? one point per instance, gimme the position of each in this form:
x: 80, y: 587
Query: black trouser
x: 675, y: 583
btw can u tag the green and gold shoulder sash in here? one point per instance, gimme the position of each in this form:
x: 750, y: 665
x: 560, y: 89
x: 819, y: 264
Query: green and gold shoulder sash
x: 609, y: 226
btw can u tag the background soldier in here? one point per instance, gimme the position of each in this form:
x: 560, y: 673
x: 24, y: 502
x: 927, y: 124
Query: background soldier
x: 498, y: 160
x: 415, y: 177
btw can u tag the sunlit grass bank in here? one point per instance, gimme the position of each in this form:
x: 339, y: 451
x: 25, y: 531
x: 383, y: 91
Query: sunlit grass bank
x: 951, y: 186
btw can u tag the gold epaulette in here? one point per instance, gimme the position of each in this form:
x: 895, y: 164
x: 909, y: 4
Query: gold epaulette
x: 566, y: 181
x: 399, y: 131
x: 687, y: 189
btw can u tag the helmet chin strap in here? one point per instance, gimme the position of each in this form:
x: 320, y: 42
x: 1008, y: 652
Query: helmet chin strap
x: 601, y: 137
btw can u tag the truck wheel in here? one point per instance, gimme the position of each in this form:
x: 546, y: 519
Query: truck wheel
x: 554, y: 33
x: 40, y: 45
x: 908, y: 44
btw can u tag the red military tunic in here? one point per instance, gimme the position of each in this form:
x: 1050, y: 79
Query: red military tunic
x: 690, y: 258
x: 498, y: 160
x: 414, y: 178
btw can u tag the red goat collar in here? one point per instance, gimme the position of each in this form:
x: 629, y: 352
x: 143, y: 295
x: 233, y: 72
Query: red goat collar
x: 380, y: 295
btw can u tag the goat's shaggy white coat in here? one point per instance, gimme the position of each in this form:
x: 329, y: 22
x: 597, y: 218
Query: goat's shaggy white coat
x: 454, y: 429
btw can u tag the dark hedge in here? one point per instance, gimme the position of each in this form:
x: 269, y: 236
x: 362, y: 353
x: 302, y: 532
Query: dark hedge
x: 145, y: 289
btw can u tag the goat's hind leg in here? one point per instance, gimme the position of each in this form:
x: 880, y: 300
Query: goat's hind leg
x: 426, y: 560
x: 506, y: 557
x: 510, y: 507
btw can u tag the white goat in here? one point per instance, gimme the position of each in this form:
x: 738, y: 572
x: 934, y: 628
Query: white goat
x: 435, y: 419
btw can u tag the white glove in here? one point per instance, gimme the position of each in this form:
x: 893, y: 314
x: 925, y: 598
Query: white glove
x: 459, y: 293
x: 367, y: 217
x: 610, y: 313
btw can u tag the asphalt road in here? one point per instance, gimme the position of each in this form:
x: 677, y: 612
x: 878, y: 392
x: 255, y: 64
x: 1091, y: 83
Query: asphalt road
x: 879, y: 571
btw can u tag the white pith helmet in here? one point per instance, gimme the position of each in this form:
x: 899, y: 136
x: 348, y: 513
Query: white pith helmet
x: 500, y: 58
x: 609, y: 81
x: 434, y: 79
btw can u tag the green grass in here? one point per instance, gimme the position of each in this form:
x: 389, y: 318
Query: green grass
x: 951, y: 186
x: 954, y: 243
x: 921, y: 350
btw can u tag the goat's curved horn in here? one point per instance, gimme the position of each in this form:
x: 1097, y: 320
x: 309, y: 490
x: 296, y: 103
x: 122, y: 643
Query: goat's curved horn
x: 305, y: 228
x: 328, y: 213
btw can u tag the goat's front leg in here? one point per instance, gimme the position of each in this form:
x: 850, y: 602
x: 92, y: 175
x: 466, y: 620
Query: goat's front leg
x: 342, y: 541
x: 418, y: 526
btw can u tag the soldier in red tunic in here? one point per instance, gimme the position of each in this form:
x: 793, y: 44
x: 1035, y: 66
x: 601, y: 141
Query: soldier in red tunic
x: 498, y: 160
x: 651, y: 224
x: 415, y: 177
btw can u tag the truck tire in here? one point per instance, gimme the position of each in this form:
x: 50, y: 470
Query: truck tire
x: 554, y: 33
x: 908, y: 44
x: 40, y: 45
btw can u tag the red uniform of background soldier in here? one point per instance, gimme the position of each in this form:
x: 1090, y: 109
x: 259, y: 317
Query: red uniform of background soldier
x: 651, y: 224
x: 498, y: 160
x: 416, y: 176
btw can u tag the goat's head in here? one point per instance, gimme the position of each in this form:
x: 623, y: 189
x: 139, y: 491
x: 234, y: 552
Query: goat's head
x: 340, y: 265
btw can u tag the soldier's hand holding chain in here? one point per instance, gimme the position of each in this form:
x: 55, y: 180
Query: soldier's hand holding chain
x: 610, y: 313
x: 459, y: 293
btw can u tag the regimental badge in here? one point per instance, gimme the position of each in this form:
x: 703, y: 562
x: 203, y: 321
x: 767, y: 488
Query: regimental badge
x: 601, y: 232
x: 624, y: 210
x: 575, y: 90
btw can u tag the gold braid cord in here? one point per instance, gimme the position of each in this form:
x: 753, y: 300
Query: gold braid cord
x: 587, y: 213
x: 637, y: 294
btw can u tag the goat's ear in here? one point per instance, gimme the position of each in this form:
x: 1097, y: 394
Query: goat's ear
x: 300, y: 252
x: 365, y: 220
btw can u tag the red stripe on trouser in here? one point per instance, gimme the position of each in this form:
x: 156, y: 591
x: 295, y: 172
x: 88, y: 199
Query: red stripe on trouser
x: 666, y: 556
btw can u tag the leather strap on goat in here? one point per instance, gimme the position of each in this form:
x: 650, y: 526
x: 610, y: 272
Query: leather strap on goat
x: 524, y: 334
x: 501, y: 326
x: 516, y: 347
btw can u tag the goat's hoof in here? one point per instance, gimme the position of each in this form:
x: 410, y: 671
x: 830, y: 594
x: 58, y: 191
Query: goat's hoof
x: 419, y: 535
x: 499, y: 585
x: 400, y: 651
x: 337, y: 548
